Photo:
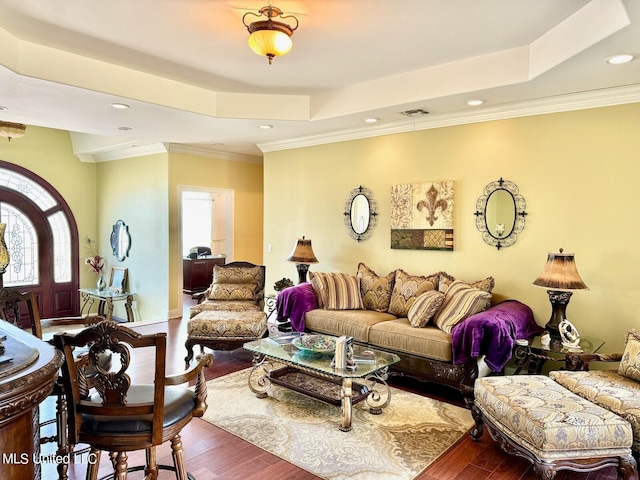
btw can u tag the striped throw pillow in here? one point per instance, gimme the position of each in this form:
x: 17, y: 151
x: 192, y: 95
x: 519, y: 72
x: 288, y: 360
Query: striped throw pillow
x: 460, y: 301
x: 424, y: 308
x: 342, y: 292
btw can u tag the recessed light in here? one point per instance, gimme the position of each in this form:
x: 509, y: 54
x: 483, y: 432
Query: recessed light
x: 124, y: 128
x: 120, y: 106
x: 620, y: 59
x: 266, y: 126
x: 371, y: 120
x: 475, y: 102
x: 3, y: 108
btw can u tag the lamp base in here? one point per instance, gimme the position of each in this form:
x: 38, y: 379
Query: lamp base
x: 302, y: 268
x: 559, y: 301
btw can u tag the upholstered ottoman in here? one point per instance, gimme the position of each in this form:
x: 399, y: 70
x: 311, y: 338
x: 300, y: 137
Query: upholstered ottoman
x: 533, y: 417
x: 224, y: 330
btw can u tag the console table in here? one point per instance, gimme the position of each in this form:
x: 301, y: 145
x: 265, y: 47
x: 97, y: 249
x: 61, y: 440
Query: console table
x: 197, y: 273
x: 105, y: 299
x: 25, y: 381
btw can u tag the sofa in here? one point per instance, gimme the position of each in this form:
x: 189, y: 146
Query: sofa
x: 438, y: 325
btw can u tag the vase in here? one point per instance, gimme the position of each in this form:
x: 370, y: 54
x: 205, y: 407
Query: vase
x: 101, y: 284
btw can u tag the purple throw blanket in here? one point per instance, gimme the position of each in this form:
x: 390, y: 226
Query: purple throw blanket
x: 493, y: 333
x: 294, y: 302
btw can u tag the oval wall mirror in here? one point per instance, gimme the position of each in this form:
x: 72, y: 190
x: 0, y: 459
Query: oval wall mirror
x: 360, y: 213
x: 500, y: 213
x: 120, y: 240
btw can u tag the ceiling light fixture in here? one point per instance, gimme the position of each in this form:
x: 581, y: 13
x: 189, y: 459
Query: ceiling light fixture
x: 120, y: 106
x: 12, y: 130
x: 371, y: 120
x: 124, y: 129
x: 3, y: 108
x: 475, y: 102
x: 620, y: 59
x: 265, y: 126
x: 269, y: 37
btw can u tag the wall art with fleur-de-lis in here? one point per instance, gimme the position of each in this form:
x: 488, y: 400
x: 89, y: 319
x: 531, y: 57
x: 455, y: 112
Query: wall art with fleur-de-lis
x: 422, y: 216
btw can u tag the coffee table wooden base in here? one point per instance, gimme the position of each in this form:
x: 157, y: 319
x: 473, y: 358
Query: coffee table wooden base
x: 330, y: 389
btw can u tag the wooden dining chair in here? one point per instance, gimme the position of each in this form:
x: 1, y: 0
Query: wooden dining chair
x: 119, y: 416
x: 21, y: 309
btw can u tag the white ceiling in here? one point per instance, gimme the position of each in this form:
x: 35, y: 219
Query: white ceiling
x: 192, y: 82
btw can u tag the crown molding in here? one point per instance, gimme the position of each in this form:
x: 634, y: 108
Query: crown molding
x: 557, y: 104
x: 204, y: 151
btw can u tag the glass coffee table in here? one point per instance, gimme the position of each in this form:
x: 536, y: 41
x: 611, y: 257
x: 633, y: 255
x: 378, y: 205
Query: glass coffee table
x: 312, y: 374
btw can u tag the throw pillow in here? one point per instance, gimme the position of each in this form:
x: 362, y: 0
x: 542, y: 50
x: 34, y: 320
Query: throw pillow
x: 319, y: 285
x: 375, y: 290
x: 630, y: 364
x: 342, y: 292
x: 238, y: 275
x: 424, y: 308
x: 445, y: 280
x: 461, y: 300
x: 407, y: 289
x: 233, y: 291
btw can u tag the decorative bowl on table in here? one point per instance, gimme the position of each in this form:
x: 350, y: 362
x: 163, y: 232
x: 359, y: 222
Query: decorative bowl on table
x: 315, y: 344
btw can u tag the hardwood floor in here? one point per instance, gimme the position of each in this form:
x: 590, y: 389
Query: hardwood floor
x: 213, y: 454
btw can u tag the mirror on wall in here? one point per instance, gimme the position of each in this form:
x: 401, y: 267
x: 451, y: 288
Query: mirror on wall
x: 360, y: 215
x: 120, y: 240
x: 500, y: 213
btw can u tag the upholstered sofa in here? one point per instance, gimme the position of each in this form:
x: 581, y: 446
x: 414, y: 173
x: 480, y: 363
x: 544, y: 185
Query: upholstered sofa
x: 439, y: 326
x: 615, y: 390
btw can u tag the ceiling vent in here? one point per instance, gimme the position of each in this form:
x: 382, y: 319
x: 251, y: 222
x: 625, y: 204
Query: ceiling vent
x: 416, y: 112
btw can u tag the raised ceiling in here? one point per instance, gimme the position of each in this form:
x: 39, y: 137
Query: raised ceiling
x: 191, y: 81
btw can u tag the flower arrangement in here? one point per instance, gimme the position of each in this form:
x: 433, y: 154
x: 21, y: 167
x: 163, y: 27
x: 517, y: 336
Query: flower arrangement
x: 95, y: 261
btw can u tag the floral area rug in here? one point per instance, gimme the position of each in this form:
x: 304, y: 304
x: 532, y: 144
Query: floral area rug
x: 400, y: 443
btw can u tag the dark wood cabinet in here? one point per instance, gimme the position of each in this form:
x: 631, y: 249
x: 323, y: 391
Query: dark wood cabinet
x: 197, y: 273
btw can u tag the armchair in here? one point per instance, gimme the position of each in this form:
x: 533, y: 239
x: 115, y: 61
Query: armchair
x: 118, y: 415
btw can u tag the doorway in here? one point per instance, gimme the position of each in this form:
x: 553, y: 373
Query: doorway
x: 206, y: 224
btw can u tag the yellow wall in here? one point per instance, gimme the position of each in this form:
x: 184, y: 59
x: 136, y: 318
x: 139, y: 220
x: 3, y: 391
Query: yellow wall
x: 578, y: 172
x: 245, y: 179
x: 134, y: 190
x: 48, y: 153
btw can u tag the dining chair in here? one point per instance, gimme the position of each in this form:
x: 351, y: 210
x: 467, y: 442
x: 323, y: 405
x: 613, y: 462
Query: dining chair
x: 119, y: 415
x: 21, y: 309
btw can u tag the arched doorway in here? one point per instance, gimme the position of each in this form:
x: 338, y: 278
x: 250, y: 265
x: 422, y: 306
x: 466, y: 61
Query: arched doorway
x: 42, y: 239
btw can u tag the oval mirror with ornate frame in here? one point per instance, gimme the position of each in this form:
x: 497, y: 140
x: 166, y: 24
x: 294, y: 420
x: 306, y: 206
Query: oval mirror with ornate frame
x: 120, y: 240
x: 360, y: 215
x: 500, y: 213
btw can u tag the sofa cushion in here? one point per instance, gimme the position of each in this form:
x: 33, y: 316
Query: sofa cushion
x: 424, y: 308
x: 352, y: 323
x: 319, y: 284
x: 608, y: 389
x: 375, y: 290
x: 399, y: 335
x: 407, y: 289
x: 233, y: 291
x: 630, y: 364
x: 339, y: 291
x: 460, y: 301
x: 445, y: 280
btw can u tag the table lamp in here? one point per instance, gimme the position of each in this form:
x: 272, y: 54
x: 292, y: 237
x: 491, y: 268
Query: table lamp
x: 302, y: 254
x: 560, y: 277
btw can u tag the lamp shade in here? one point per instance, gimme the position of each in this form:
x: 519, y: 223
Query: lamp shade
x: 270, y: 43
x: 560, y: 273
x: 12, y: 130
x: 302, y: 252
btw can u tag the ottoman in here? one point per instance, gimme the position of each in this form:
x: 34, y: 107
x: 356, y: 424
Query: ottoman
x: 533, y: 417
x: 224, y: 330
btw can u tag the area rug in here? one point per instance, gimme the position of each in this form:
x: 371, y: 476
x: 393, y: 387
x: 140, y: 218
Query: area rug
x: 400, y: 443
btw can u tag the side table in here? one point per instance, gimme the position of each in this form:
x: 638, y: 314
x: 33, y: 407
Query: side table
x: 105, y: 299
x: 534, y: 355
